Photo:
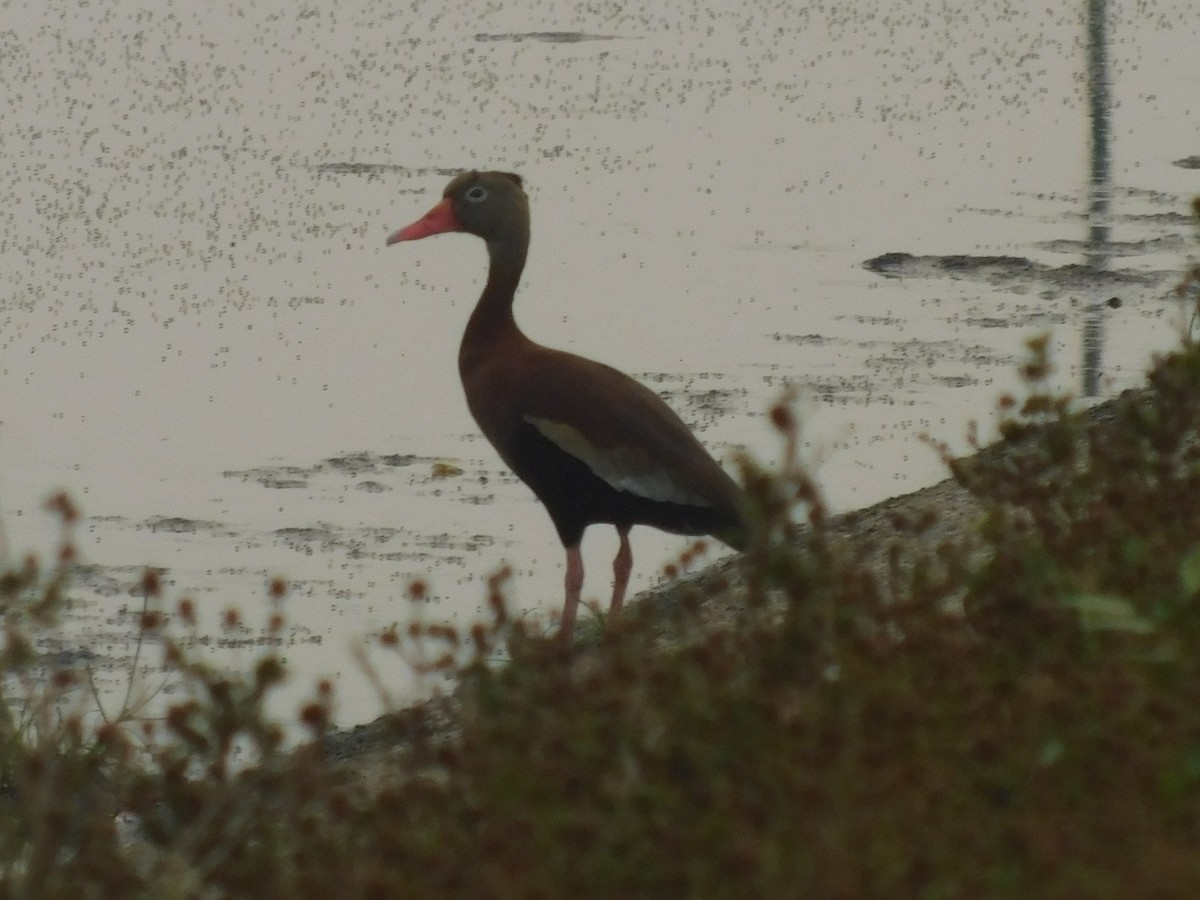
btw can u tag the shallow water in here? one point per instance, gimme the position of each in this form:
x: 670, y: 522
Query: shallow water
x: 204, y: 339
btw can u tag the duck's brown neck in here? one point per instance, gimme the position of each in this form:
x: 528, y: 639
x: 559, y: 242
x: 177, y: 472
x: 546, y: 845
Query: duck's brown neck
x: 492, y: 321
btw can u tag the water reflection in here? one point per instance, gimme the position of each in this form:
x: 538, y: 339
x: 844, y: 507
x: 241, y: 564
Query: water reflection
x: 1100, y: 192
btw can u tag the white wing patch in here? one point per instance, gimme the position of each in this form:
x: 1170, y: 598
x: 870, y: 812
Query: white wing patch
x: 622, y: 468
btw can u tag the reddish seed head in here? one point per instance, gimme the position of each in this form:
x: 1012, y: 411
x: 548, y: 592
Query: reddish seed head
x: 66, y: 553
x: 497, y: 579
x: 781, y: 417
x: 152, y: 620
x: 109, y: 735
x: 325, y: 688
x: 1006, y: 401
x: 388, y: 637
x: 277, y: 588
x: 418, y: 589
x: 479, y: 635
x: 63, y: 679
x: 151, y: 583
x: 269, y: 670
x: 230, y: 619
x: 1034, y: 371
x: 177, y: 716
x: 62, y: 504
x: 314, y: 715
x: 275, y: 623
x: 670, y: 570
x: 806, y: 491
x: 187, y: 610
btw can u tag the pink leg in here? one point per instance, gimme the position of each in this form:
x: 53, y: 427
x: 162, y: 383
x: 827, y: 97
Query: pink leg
x: 622, y: 564
x: 574, y: 585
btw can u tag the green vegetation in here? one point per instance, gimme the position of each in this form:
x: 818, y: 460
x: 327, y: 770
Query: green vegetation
x: 1013, y: 713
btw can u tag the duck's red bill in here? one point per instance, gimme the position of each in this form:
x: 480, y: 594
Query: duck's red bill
x: 438, y: 220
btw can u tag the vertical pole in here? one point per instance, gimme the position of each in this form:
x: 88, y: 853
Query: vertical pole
x: 1099, y: 188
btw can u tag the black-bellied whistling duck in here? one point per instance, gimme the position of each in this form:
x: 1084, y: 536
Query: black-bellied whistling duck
x: 593, y: 444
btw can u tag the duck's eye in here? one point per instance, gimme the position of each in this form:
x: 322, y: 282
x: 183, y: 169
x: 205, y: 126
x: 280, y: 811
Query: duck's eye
x: 476, y: 194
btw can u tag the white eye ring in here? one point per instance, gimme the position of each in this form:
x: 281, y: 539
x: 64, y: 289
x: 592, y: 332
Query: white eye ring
x: 476, y: 193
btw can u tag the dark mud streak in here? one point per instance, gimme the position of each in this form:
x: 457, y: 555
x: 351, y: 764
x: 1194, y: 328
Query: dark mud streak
x: 273, y: 477
x: 550, y: 37
x: 372, y: 169
x: 181, y: 525
x: 354, y: 464
x: 1163, y: 198
x: 1182, y: 220
x: 380, y: 543
x: 1002, y: 270
x: 1174, y: 243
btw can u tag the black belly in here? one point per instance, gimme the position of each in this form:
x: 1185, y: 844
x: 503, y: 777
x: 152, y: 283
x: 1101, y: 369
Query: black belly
x: 576, y: 498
